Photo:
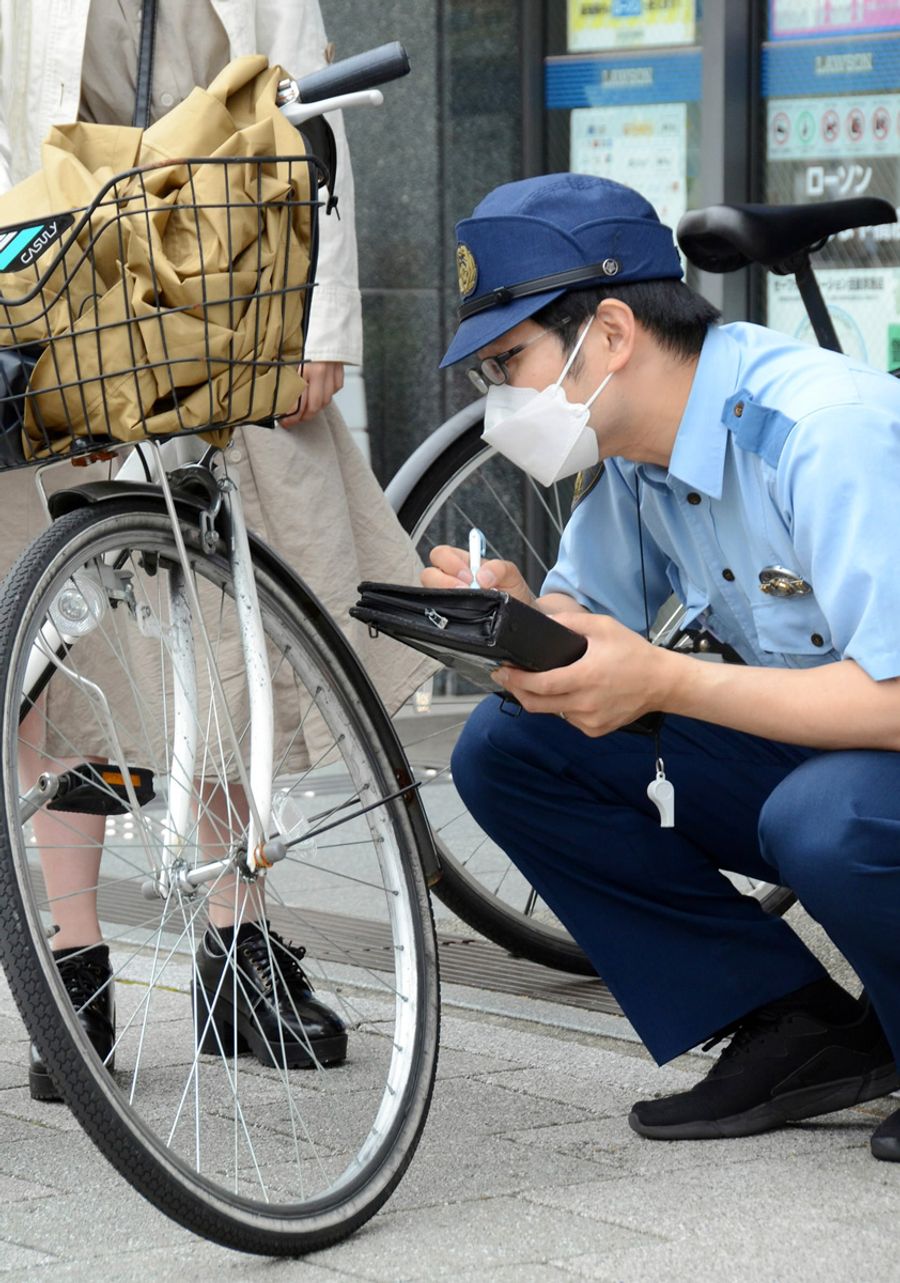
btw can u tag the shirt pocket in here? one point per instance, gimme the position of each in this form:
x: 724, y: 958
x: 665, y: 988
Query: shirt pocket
x: 793, y: 630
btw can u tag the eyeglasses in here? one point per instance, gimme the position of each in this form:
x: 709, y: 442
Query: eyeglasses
x: 492, y: 371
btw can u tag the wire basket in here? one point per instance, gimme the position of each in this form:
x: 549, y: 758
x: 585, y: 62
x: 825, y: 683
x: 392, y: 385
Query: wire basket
x: 177, y: 301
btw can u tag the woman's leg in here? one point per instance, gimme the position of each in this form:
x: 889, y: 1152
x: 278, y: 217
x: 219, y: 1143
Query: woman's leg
x: 69, y: 845
x: 223, y: 814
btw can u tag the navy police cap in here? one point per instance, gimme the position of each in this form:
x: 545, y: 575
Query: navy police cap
x: 528, y: 242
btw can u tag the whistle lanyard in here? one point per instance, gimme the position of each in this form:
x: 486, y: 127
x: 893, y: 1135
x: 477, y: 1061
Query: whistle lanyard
x: 660, y: 791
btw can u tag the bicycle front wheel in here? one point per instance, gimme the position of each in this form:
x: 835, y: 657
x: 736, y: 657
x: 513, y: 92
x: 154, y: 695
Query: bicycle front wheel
x: 216, y: 1099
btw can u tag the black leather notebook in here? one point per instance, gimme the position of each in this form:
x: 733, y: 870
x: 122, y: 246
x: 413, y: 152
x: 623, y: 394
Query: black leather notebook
x: 471, y: 630
x: 474, y: 630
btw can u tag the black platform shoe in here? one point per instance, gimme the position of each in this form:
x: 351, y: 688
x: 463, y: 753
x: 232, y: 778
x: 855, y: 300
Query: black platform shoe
x: 87, y: 975
x: 274, y: 1014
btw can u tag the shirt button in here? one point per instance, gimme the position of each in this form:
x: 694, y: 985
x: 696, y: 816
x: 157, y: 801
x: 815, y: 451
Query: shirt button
x: 728, y: 574
x: 693, y: 497
x: 739, y: 409
x: 166, y: 100
x: 817, y: 639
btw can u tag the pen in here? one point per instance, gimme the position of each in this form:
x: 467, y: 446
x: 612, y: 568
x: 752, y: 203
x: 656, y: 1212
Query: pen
x: 476, y: 552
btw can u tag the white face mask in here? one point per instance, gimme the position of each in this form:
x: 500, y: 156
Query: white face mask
x: 543, y: 433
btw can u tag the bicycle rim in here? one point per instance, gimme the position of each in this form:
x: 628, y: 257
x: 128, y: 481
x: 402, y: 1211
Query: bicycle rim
x: 264, y: 1157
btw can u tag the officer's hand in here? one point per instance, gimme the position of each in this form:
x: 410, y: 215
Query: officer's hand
x: 618, y: 679
x: 323, y: 379
x: 450, y: 569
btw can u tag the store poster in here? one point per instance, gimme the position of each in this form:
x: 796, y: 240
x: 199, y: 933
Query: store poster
x: 799, y: 18
x: 643, y: 147
x: 833, y: 148
x: 836, y: 148
x: 596, y: 25
x: 864, y: 304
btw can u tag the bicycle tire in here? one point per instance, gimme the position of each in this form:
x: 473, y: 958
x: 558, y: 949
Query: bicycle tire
x: 463, y: 892
x: 126, y: 1136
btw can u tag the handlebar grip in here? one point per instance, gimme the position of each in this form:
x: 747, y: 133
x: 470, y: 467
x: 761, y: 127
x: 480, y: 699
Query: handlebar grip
x: 362, y: 71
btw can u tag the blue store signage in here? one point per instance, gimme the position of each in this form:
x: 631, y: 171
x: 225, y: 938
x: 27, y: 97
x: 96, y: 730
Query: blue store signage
x: 617, y: 81
x: 823, y: 68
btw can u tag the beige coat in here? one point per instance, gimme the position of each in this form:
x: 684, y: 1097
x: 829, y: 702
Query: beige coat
x: 306, y: 490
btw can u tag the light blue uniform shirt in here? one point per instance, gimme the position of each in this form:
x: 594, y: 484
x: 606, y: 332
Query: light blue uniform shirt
x: 787, y: 456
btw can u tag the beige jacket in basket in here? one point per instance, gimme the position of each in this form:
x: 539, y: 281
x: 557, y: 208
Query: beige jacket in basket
x: 42, y: 54
x: 179, y: 302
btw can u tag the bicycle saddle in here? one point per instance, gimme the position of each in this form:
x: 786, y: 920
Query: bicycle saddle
x: 722, y: 238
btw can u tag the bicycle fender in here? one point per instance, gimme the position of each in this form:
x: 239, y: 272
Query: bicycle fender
x: 401, y: 484
x: 94, y: 492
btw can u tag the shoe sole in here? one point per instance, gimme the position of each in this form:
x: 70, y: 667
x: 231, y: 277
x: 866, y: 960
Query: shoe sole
x: 42, y: 1087
x: 247, y: 1040
x: 793, y: 1106
x: 887, y: 1148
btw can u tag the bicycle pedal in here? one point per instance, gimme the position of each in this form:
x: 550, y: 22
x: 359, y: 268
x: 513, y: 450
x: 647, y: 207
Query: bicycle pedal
x: 90, y: 789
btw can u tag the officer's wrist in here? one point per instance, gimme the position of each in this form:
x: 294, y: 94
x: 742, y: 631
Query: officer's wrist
x: 675, y: 680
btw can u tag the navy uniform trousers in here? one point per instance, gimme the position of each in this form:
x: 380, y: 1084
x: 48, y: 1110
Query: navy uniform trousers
x: 684, y: 953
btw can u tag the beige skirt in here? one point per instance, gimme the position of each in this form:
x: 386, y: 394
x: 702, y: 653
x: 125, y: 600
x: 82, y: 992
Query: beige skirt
x: 310, y: 495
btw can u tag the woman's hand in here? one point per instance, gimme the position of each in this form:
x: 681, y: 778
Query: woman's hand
x: 450, y: 569
x: 618, y: 679
x: 323, y: 379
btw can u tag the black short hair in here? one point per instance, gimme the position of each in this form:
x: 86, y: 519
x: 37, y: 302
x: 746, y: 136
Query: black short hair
x: 677, y: 316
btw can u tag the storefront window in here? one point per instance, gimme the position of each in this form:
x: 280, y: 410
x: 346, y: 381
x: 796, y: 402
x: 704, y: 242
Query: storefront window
x: 832, y: 110
x: 595, y: 25
x: 623, y: 99
x: 790, y: 19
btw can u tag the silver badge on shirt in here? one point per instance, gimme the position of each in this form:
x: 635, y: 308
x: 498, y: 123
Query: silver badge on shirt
x: 777, y: 581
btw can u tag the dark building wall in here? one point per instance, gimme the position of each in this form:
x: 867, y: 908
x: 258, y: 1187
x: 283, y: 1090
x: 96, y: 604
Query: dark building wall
x: 447, y: 134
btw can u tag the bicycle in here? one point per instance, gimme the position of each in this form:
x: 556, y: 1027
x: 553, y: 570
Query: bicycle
x: 115, y: 629
x: 455, y: 480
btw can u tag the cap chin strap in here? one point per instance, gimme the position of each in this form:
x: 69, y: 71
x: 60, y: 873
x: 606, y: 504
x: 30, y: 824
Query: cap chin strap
x: 538, y: 285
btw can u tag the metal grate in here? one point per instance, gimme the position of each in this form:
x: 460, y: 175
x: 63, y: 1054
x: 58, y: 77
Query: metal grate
x: 337, y: 937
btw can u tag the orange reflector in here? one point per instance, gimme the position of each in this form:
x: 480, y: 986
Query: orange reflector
x: 115, y: 777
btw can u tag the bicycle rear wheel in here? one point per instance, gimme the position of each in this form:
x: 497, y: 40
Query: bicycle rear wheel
x: 470, y: 484
x: 257, y: 1156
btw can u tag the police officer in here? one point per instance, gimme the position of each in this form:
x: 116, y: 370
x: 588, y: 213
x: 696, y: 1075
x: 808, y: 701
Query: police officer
x: 757, y: 478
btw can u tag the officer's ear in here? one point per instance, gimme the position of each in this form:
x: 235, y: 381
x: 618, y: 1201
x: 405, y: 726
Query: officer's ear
x: 617, y: 328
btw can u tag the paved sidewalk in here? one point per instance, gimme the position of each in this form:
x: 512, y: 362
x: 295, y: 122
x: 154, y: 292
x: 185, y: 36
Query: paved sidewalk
x: 527, y: 1171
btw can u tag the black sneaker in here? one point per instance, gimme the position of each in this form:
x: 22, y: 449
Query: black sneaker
x: 885, y: 1140
x: 87, y: 975
x: 275, y: 1014
x: 812, y: 1052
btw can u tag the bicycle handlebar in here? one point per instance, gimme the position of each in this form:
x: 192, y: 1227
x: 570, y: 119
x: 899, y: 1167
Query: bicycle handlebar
x: 362, y: 71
